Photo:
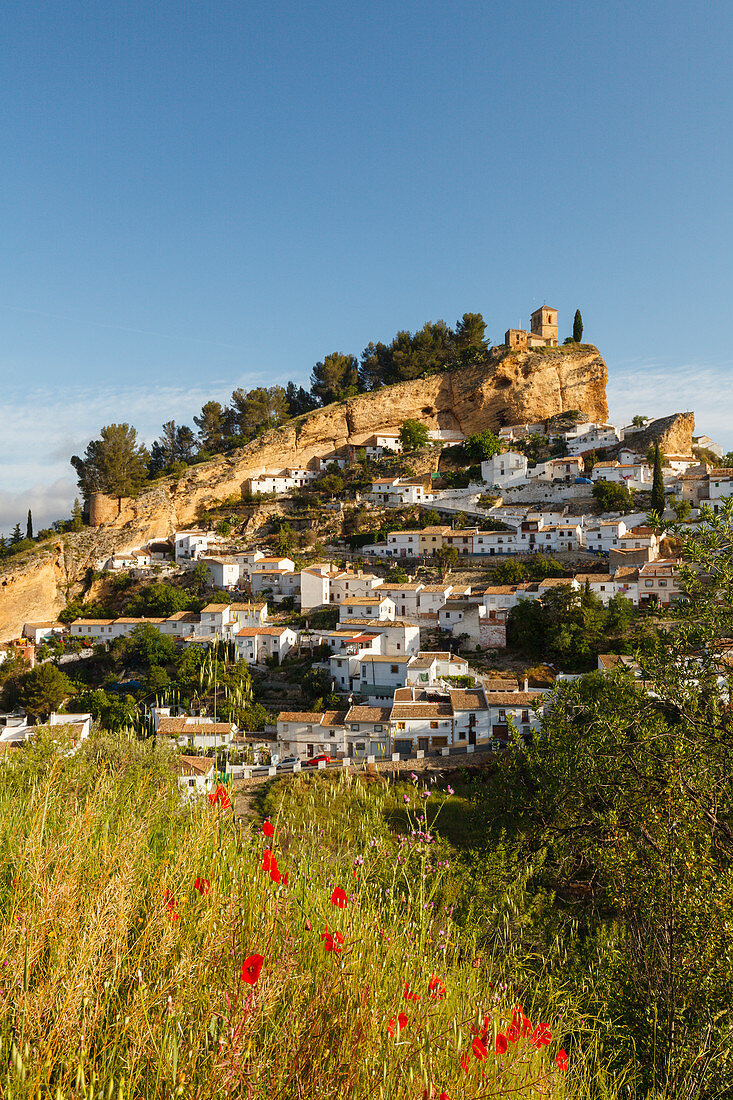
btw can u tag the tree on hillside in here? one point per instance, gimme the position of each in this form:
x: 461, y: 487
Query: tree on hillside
x: 77, y: 516
x: 253, y: 411
x: 175, y: 444
x: 116, y: 463
x: 658, y: 501
x: 470, y: 335
x: 38, y: 692
x: 29, y: 526
x: 413, y: 435
x: 335, y: 378
x: 299, y: 400
x: 577, y: 327
x: 481, y: 447
x: 16, y: 536
x: 612, y: 497
x: 210, y: 424
x: 376, y: 367
x: 639, y: 421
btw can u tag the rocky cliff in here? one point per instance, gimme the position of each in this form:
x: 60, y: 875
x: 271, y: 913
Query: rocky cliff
x: 514, y: 388
x: 519, y: 387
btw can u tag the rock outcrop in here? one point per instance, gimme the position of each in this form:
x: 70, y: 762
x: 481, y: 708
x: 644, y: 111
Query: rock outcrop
x: 672, y: 433
x: 509, y: 388
x: 516, y: 388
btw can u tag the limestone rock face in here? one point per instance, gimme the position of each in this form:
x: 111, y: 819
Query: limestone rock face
x: 514, y: 388
x: 673, y: 433
x: 521, y: 387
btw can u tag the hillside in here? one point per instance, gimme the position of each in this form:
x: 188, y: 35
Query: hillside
x: 509, y: 388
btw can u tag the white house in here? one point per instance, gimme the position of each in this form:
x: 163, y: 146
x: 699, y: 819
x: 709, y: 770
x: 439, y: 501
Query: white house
x: 345, y: 584
x: 195, y: 774
x: 420, y: 721
x: 345, y: 664
x: 277, y: 583
x: 223, y: 572
x: 589, y: 436
x: 399, y: 635
x: 505, y: 469
x: 366, y: 607
x: 305, y: 734
x: 470, y: 715
x: 514, y: 708
x: 406, y: 597
x: 495, y: 542
x: 315, y: 585
x: 431, y: 598
x: 189, y: 545
x: 367, y: 731
x: 281, y: 481
x: 192, y: 731
x: 380, y: 676
x: 255, y: 643
x: 430, y: 667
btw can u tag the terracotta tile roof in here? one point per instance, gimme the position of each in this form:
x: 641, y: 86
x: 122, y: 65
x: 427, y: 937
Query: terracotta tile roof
x: 253, y: 631
x: 93, y: 622
x: 333, y: 717
x: 368, y: 714
x: 187, y: 724
x: 468, y: 699
x: 400, y: 587
x: 400, y: 659
x: 513, y: 698
x: 438, y: 588
x: 359, y: 601
x: 192, y: 765
x: 400, y: 710
x: 310, y: 717
x: 499, y: 590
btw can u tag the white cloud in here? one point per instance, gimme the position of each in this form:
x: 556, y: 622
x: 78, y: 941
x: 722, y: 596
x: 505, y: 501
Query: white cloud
x: 654, y: 390
x: 47, y: 503
x: 43, y: 429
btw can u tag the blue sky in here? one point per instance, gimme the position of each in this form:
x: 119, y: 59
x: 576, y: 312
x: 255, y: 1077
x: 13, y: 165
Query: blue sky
x: 199, y: 196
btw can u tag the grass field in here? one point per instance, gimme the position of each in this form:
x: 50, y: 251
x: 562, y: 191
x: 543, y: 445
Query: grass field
x: 126, y: 919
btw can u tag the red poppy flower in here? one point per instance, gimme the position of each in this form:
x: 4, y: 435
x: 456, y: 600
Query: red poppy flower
x: 479, y: 1049
x: 170, y: 904
x: 398, y: 1023
x: 286, y: 877
x: 409, y: 996
x: 331, y: 941
x: 220, y: 797
x: 512, y: 1033
x: 251, y: 968
x: 339, y: 898
x: 436, y: 987
x: 500, y: 1044
x: 465, y: 1062
x: 444, y: 1095
x: 202, y: 885
x: 268, y: 828
x: 541, y: 1036
x: 274, y: 870
x: 267, y: 858
x: 561, y: 1060
x: 526, y: 1027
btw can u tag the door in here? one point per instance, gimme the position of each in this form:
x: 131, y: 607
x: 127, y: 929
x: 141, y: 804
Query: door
x: 423, y: 743
x: 472, y: 735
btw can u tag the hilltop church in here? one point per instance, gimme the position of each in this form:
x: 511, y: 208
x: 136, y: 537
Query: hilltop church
x: 542, y: 334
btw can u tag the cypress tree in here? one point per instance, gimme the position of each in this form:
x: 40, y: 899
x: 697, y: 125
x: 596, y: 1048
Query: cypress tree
x: 29, y: 526
x: 657, y: 483
x: 577, y: 327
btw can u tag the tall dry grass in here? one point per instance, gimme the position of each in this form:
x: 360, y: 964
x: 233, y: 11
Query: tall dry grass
x: 107, y: 991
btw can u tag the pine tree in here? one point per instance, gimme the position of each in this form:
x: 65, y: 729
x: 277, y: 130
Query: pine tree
x: 577, y: 327
x: 77, y: 517
x: 17, y: 535
x: 657, y: 483
x: 29, y: 526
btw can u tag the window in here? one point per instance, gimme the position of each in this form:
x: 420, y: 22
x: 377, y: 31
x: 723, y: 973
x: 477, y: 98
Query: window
x: 434, y: 725
x: 332, y: 733
x: 648, y: 584
x: 394, y: 668
x: 378, y: 728
x: 662, y: 584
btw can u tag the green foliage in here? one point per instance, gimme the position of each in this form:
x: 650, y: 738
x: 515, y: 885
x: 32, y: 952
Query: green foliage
x: 567, y: 627
x: 315, y: 684
x: 115, y: 463
x: 658, y: 497
x: 160, y: 599
x: 38, y: 692
x: 481, y: 447
x: 113, y: 711
x: 610, y: 496
x: 577, y: 327
x: 335, y: 378
x: 413, y: 435
x: 145, y: 646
